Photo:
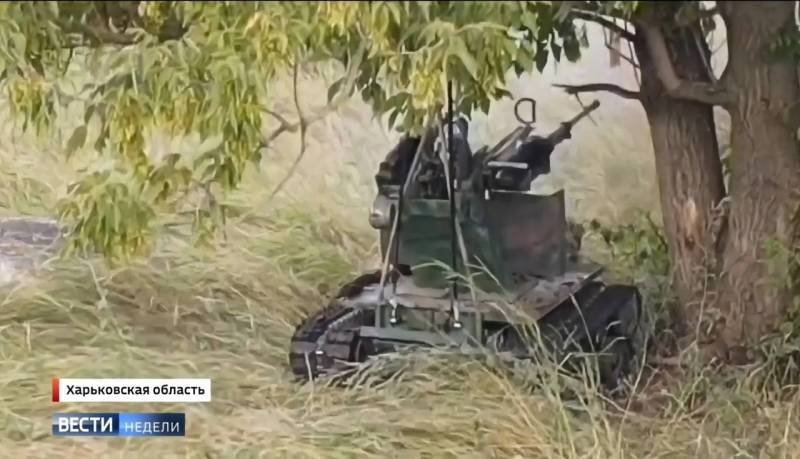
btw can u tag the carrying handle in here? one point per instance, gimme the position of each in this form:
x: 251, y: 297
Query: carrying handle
x: 533, y: 111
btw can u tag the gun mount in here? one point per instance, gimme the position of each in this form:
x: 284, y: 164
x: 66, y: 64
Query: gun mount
x: 472, y: 256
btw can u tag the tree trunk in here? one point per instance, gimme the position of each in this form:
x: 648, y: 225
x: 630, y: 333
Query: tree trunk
x: 765, y: 172
x: 689, y: 170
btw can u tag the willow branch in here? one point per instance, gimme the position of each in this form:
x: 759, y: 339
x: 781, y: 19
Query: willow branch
x: 97, y: 27
x: 101, y: 35
x: 303, y: 125
x: 303, y: 121
x: 281, y: 119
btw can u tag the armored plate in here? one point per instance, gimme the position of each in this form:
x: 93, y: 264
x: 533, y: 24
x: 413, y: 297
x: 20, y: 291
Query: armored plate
x: 532, y: 300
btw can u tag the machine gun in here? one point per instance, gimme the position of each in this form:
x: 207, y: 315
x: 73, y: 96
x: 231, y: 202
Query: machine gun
x: 515, y: 167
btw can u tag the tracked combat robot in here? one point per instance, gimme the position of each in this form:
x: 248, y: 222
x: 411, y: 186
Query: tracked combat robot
x: 472, y: 259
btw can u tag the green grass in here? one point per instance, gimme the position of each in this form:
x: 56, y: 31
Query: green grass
x: 226, y: 312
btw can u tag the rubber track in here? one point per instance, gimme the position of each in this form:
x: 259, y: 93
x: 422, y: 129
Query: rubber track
x: 338, y: 324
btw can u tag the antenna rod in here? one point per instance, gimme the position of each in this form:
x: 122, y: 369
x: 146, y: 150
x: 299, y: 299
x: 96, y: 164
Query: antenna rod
x: 396, y: 255
x: 451, y: 184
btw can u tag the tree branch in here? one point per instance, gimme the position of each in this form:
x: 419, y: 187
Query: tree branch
x: 281, y: 119
x: 303, y: 127
x: 595, y: 87
x: 636, y: 68
x: 618, y: 53
x: 709, y: 93
x: 102, y: 34
x: 683, y: 20
x: 286, y: 126
x: 603, y: 21
x: 702, y: 48
x: 97, y: 28
x: 304, y: 122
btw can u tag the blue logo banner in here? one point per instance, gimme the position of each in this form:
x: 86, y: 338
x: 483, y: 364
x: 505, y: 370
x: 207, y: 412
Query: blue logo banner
x: 120, y: 424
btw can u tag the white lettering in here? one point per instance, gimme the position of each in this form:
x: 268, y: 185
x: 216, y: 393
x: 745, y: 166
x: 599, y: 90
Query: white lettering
x: 107, y: 425
x: 63, y: 424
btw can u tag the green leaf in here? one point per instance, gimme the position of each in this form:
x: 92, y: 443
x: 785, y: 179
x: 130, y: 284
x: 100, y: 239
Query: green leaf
x: 502, y: 93
x: 545, y: 23
x: 524, y: 60
x: 334, y: 89
x: 563, y: 11
x: 437, y: 29
x: 76, y: 140
x: 510, y: 47
x: 87, y: 115
x: 396, y: 10
x: 459, y: 48
x: 583, y: 36
x: 529, y: 21
x: 53, y: 7
x: 556, y: 52
x: 100, y: 143
x: 425, y: 7
x: 19, y: 43
x: 485, y: 104
x: 210, y: 144
x: 541, y: 59
x: 393, y: 118
x: 572, y: 49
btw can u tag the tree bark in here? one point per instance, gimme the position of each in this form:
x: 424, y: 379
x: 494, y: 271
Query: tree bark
x: 723, y: 262
x: 689, y: 170
x: 765, y: 172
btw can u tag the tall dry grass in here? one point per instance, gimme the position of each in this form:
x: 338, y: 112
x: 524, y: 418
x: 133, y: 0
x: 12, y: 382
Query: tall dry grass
x: 227, y: 311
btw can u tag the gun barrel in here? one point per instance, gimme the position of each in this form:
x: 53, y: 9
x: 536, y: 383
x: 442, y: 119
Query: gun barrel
x: 585, y: 112
x: 563, y: 131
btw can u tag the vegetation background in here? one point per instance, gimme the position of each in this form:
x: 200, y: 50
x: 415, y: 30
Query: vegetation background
x: 226, y: 312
